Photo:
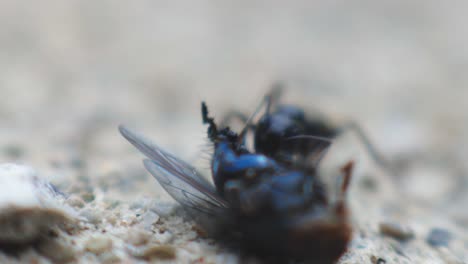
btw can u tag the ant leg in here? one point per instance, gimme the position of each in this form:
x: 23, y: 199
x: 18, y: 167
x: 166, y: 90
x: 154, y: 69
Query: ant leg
x: 270, y: 98
x: 234, y: 114
x: 370, y: 147
x: 273, y: 96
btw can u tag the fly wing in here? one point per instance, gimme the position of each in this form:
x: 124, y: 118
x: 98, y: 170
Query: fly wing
x: 161, y: 157
x: 177, y: 177
x: 190, y: 195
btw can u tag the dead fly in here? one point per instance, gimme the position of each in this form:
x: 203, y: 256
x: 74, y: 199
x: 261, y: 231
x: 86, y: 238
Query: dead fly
x: 271, y: 199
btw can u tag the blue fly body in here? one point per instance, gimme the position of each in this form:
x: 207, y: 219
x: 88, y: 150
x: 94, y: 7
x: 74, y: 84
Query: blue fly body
x: 271, y: 198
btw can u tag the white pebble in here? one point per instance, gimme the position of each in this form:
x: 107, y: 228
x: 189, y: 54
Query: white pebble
x: 29, y: 206
x: 148, y: 219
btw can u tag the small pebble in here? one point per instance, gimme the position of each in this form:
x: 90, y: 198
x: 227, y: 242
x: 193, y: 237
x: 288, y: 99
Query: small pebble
x: 396, y: 231
x: 91, y: 215
x: 435, y: 187
x: 164, y: 209
x: 369, y: 183
x: 377, y: 260
x: 75, y: 201
x: 162, y: 252
x: 56, y: 250
x: 164, y: 237
x: 128, y: 220
x: 439, y: 237
x: 111, y: 219
x: 88, y: 197
x: 98, y: 244
x: 32, y: 209
x: 77, y: 163
x: 139, y: 204
x: 448, y: 256
x: 109, y: 257
x: 14, y: 151
x: 112, y: 204
x: 148, y: 219
x: 191, y: 235
x: 138, y: 237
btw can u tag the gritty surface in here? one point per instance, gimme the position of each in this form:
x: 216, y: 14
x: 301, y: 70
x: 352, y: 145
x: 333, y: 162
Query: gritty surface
x: 71, y: 72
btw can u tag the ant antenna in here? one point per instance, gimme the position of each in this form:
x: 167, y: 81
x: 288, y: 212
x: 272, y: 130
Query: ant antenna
x: 212, y: 129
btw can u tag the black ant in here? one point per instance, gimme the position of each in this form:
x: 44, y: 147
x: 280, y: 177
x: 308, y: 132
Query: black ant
x: 283, y: 132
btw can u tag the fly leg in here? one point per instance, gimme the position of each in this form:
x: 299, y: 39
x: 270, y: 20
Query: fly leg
x: 347, y: 171
x: 340, y: 207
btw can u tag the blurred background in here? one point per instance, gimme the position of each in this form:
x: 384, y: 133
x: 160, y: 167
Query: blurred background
x: 72, y: 71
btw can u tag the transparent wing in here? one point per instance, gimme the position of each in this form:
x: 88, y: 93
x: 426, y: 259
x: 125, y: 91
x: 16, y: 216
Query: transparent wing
x: 164, y: 159
x: 187, y: 194
x: 177, y: 177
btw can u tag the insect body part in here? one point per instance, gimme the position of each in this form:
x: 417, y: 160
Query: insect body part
x: 285, y: 134
x: 272, y: 207
x: 282, y: 132
x: 281, y: 207
x: 178, y: 178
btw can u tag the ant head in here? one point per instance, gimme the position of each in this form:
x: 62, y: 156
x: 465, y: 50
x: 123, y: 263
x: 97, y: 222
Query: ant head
x: 214, y: 134
x: 273, y: 129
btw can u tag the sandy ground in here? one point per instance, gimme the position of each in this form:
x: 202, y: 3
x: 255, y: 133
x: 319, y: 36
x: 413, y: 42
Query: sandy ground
x: 71, y: 72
